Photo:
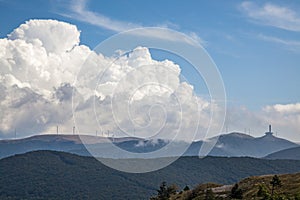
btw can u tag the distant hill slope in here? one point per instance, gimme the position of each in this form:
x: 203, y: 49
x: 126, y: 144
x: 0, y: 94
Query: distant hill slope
x: 66, y: 143
x: 59, y: 175
x: 229, y: 145
x: 237, y: 144
x: 39, y: 142
x: 292, y: 153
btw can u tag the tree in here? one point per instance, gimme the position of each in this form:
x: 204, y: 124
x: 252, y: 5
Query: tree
x: 186, y: 188
x: 172, y: 189
x: 209, y: 195
x: 236, y: 192
x: 164, y: 192
x: 263, y: 192
x: 275, y: 182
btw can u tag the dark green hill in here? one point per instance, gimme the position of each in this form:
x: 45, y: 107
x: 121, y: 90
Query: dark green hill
x: 58, y: 175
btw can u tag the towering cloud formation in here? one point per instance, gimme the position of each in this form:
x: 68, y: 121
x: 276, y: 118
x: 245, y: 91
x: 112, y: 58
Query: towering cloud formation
x: 54, y: 36
x: 130, y: 93
x: 38, y: 61
x: 41, y: 59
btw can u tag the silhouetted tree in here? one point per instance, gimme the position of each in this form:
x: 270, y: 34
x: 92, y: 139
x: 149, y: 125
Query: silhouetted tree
x: 164, y: 192
x: 186, y: 188
x: 236, y: 192
x: 275, y: 182
x: 209, y: 195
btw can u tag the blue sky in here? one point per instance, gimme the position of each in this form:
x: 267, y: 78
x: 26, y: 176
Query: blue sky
x: 259, y: 61
x: 255, y: 44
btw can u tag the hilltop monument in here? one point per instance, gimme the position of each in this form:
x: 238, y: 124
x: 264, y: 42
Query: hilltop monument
x: 270, y: 131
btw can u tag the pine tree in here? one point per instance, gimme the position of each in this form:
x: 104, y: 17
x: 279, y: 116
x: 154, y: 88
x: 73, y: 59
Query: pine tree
x: 209, y: 195
x: 164, y: 192
x: 263, y: 192
x: 236, y: 192
x: 275, y: 182
x: 186, y: 188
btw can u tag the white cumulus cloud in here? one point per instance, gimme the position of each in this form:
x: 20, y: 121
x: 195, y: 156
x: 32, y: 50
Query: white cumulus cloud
x: 284, y: 108
x: 40, y: 61
x: 45, y: 74
x: 54, y: 36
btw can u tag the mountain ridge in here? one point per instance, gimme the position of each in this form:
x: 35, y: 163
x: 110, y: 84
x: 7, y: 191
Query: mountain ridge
x: 228, y: 145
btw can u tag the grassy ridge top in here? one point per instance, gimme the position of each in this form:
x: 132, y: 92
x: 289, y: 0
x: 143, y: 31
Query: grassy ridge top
x: 290, y: 185
x: 289, y: 189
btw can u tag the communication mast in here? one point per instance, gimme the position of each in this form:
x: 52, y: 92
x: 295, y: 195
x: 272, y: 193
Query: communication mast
x: 270, y: 131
